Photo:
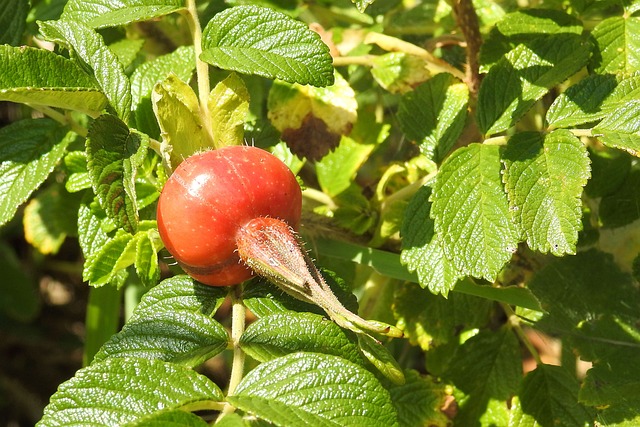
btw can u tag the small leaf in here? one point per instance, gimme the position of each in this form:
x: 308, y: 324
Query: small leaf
x: 92, y: 226
x: 337, y: 170
x: 258, y: 40
x: 549, y: 396
x: 279, y: 334
x: 180, y: 62
x: 524, y: 75
x: 103, y: 392
x: 29, y: 150
x: 146, y: 263
x: 544, y: 177
x: 78, y: 175
x: 617, y: 47
x: 43, y: 78
x: 109, y: 13
x: 13, y: 21
x: 315, y: 389
x: 229, y: 106
x: 90, y: 47
x: 422, y: 250
x: 381, y: 358
x: 471, y: 212
x: 105, y: 263
x: 114, y: 153
x: 312, y: 120
x: 399, y: 72
x: 434, y: 114
x: 178, y: 112
x: 49, y: 218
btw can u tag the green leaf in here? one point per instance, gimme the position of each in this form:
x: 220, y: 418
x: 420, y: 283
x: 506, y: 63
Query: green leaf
x: 90, y: 48
x: 278, y: 334
x: 337, y: 170
x: 471, y: 212
x: 312, y: 120
x: 180, y: 62
x: 609, y: 169
x: 544, y: 176
x: 524, y: 75
x: 617, y: 45
x: 381, y: 358
x: 103, y: 393
x: 539, y: 21
x: 172, y: 323
x: 434, y: 114
x: 549, y: 396
x: 43, y: 78
x: 173, y: 418
x: 78, y: 178
x: 127, y: 50
x: 49, y: 218
x: 102, y: 266
x: 621, y: 128
x: 93, y: 226
x: 229, y: 106
x: 582, y: 102
x: 257, y: 40
x: 111, y: 13
x: 399, y: 72
x: 620, y: 208
x: 13, y: 21
x: 178, y: 112
x: 488, y: 369
x: 422, y: 250
x: 314, y: 389
x: 20, y: 298
x: 418, y: 401
x: 29, y: 150
x: 114, y: 152
x: 146, y: 263
x: 592, y: 283
x: 431, y: 321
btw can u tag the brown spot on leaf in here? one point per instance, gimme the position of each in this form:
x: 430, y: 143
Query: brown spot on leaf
x: 312, y: 140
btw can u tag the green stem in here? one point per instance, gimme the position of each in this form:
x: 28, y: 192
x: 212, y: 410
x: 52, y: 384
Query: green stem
x: 202, y: 69
x: 514, y: 321
x: 102, y: 319
x: 64, y: 119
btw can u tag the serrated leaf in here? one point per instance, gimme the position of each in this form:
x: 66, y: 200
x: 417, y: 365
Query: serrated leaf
x: 258, y: 40
x: 173, y: 418
x: 78, y: 178
x: 549, y: 396
x: 49, y: 218
x: 114, y: 153
x: 180, y: 62
x: 228, y: 106
x: 43, y: 78
x: 312, y: 120
x: 422, y: 250
x: 621, y: 128
x: 582, y: 102
x: 103, y: 265
x: 434, y: 114
x: 539, y: 21
x: 29, y: 150
x: 13, y: 21
x: 90, y: 47
x: 488, y: 369
x: 617, y: 45
x: 178, y: 112
x: 315, y: 388
x: 110, y: 13
x: 92, y: 226
x: 102, y: 393
x: 179, y: 337
x: 471, y: 212
x: 278, y: 334
x: 337, y: 170
x: 544, y: 177
x: 524, y: 75
x: 146, y: 262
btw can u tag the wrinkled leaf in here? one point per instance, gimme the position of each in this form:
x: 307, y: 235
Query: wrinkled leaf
x: 258, y: 40
x: 229, y: 106
x: 617, y: 45
x: 110, y: 13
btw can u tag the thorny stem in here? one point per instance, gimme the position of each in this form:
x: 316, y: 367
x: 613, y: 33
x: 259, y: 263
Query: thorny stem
x: 202, y: 69
x: 467, y: 20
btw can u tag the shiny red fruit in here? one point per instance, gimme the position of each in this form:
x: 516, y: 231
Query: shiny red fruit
x: 211, y: 196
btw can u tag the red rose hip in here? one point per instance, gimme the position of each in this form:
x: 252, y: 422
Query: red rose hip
x: 211, y: 196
